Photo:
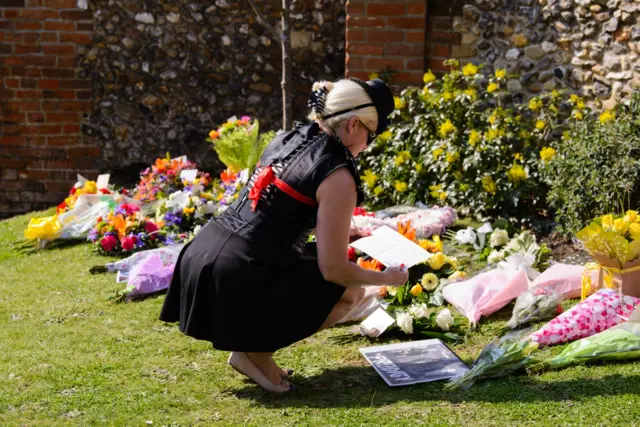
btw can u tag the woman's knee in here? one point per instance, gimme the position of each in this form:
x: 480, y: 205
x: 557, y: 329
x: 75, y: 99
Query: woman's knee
x: 353, y: 297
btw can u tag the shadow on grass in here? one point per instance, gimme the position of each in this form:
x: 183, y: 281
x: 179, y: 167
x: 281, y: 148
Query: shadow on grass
x: 354, y: 387
x: 26, y: 247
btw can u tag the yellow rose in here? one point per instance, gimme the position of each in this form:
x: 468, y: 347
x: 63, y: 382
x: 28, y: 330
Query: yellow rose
x: 428, y: 77
x: 470, y: 70
x: 437, y: 261
x: 501, y: 73
x: 607, y: 222
x: 621, y: 226
x: 634, y: 230
x: 416, y: 290
x: 90, y: 187
x: 631, y: 216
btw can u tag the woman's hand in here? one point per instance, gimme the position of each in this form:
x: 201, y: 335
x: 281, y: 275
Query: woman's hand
x: 396, y: 276
x: 355, y: 233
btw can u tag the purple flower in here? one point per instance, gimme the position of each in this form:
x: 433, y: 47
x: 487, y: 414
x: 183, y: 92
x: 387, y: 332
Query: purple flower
x: 93, y: 235
x: 171, y: 218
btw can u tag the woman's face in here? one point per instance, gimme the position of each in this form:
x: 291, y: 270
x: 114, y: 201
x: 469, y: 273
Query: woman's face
x: 355, y: 135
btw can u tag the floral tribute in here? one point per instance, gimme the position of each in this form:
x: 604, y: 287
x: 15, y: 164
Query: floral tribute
x: 88, y: 187
x: 162, y: 179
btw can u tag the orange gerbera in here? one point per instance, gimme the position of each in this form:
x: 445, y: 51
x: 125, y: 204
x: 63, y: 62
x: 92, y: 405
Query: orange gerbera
x: 228, y: 175
x: 372, y: 264
x: 405, y: 229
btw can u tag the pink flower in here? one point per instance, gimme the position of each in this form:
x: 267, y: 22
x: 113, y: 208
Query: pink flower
x: 128, y: 243
x: 245, y: 118
x: 108, y: 243
x: 150, y: 227
x: 130, y: 208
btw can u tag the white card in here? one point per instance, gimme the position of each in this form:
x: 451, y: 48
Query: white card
x: 376, y: 323
x: 189, y: 174
x: 183, y: 159
x: 391, y: 248
x: 80, y: 179
x: 102, y: 181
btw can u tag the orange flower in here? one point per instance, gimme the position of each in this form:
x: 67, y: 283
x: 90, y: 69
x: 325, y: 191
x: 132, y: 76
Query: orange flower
x: 405, y: 229
x: 228, y: 175
x: 161, y: 165
x: 372, y: 264
x: 382, y: 292
x: 213, y: 134
x: 120, y: 224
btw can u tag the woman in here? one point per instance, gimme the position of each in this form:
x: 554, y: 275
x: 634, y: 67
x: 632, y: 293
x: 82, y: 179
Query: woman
x: 248, y: 282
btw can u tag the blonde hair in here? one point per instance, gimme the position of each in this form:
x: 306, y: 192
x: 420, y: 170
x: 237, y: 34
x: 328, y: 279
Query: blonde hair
x: 342, y: 95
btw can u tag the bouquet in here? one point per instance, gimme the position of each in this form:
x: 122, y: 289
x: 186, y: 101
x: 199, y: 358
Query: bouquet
x: 163, y: 178
x: 613, y: 241
x: 427, y: 222
x: 533, y: 306
x: 239, y: 144
x: 82, y: 186
x: 126, y: 230
x: 523, y: 245
x: 226, y: 189
x: 503, y: 356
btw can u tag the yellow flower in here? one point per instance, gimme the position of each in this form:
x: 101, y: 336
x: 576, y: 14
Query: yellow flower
x: 401, y: 186
x: 434, y: 190
x: 369, y: 178
x: 452, y: 261
x: 474, y: 137
x: 384, y: 136
x: 429, y: 281
x: 89, y: 187
x: 428, y: 77
x: 518, y: 156
x: 517, y: 173
x: 470, y: 70
x: 437, y: 243
x: 443, y: 196
x: 631, y: 216
x: 437, y: 152
x: 547, y: 153
x: 489, y: 185
x: 535, y: 104
x: 437, y: 261
x: 555, y: 94
x: 634, y: 230
x: 492, y: 134
x: 458, y: 275
x: 402, y: 157
x: 418, y: 167
x: 378, y: 190
x: 607, y: 116
x: 373, y: 75
x: 607, y: 222
x: 188, y: 211
x: 447, y: 96
x: 471, y: 93
x: 501, y: 73
x: 399, y: 103
x: 580, y: 105
x: 452, y: 156
x: 553, y: 108
x: 492, y: 118
x: 446, y: 128
x: 621, y: 226
x: 492, y: 87
x: 416, y: 290
x: 578, y: 115
x: 574, y: 98
x: 457, y: 175
x: 540, y: 124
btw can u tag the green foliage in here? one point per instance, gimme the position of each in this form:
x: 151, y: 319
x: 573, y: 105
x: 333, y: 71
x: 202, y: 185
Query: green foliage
x: 596, y: 169
x: 239, y: 143
x: 463, y: 142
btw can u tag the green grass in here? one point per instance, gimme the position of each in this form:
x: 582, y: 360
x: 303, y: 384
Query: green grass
x: 68, y: 357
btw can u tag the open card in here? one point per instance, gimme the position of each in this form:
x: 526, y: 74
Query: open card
x: 391, y: 248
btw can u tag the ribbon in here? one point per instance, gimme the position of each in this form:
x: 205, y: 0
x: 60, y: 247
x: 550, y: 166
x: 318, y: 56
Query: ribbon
x: 605, y: 277
x: 47, y: 228
x: 265, y: 178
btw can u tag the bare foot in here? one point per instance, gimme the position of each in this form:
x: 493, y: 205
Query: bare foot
x: 268, y: 366
x: 243, y: 364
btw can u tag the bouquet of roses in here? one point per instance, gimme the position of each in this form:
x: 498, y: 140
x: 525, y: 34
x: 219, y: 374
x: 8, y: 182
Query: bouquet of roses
x: 524, y: 245
x: 126, y: 230
x: 162, y: 179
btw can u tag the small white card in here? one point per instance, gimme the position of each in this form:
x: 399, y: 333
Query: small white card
x: 391, y: 248
x: 183, y: 159
x: 189, y: 175
x: 377, y: 322
x: 102, y: 181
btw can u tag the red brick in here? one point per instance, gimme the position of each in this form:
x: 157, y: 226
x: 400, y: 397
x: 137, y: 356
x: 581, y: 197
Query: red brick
x: 3, y: 35
x: 22, y: 49
x: 28, y: 94
x: 436, y: 65
x: 57, y: 186
x: 355, y: 62
x: 13, y: 140
x: 71, y: 129
x: 76, y: 15
x: 60, y: 4
x: 32, y: 14
x: 28, y: 37
x: 58, y: 50
x: 35, y: 118
x: 76, y: 38
x: 35, y: 175
x: 441, y: 50
x: 365, y: 22
x: 417, y: 8
x: 12, y: 83
x: 29, y: 106
x: 61, y: 94
x: 49, y: 84
x: 34, y: 72
x: 441, y: 23
x: 365, y: 49
x: 36, y: 3
x: 383, y: 36
x: 49, y: 37
x: 59, y: 26
x: 67, y: 62
x: 385, y: 9
x: 415, y: 64
x: 84, y: 26
x: 27, y: 26
x: 62, y: 141
x: 355, y: 35
x: 62, y: 117
x: 404, y: 49
x: 39, y: 61
x: 10, y: 14
x: 58, y: 73
x: 50, y: 129
x: 48, y: 106
x: 355, y: 9
x: 75, y: 84
x: 78, y: 106
x: 408, y: 77
x: 376, y: 64
x: 441, y: 37
x: 12, y: 118
x: 362, y: 75
x: 5, y: 24
x: 405, y: 23
x: 12, y: 60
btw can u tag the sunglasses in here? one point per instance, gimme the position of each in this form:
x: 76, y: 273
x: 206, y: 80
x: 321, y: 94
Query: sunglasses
x: 372, y: 135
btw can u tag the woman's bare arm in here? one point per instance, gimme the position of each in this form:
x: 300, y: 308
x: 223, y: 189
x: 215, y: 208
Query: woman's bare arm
x: 337, y: 199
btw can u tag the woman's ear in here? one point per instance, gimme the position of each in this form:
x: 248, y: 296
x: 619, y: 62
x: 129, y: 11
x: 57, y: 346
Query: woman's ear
x: 353, y: 123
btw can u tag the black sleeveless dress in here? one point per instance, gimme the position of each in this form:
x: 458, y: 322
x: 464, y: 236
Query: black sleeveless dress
x: 249, y: 281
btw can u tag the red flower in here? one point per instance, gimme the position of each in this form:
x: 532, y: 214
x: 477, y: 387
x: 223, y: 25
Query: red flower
x: 559, y: 309
x: 73, y: 191
x: 130, y: 208
x: 150, y: 227
x: 352, y: 254
x: 61, y: 207
x: 358, y: 211
x: 108, y: 243
x: 105, y: 191
x: 128, y: 243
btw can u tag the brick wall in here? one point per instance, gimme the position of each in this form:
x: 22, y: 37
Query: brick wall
x: 386, y: 33
x: 442, y: 42
x: 43, y: 96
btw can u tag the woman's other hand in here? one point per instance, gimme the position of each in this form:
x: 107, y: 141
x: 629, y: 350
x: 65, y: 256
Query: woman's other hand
x: 396, y: 276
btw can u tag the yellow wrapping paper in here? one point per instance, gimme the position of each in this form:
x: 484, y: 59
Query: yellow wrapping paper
x: 47, y: 228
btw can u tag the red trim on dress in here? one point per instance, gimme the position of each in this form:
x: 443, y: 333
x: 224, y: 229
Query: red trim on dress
x: 267, y: 177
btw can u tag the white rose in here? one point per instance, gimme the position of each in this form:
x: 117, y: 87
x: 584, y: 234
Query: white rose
x: 498, y: 238
x: 405, y: 322
x: 466, y: 237
x: 495, y: 257
x: 445, y: 319
x: 418, y: 310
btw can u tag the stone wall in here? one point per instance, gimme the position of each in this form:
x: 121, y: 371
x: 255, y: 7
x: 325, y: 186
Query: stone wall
x: 166, y: 72
x: 587, y: 46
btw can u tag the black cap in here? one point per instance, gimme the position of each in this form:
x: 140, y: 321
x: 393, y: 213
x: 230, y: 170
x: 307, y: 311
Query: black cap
x: 382, y: 99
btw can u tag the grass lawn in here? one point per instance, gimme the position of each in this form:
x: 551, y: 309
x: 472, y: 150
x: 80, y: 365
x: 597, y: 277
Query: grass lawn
x: 69, y: 357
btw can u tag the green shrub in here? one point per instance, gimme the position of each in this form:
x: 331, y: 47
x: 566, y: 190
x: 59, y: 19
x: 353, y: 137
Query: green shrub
x: 597, y: 168
x: 467, y: 142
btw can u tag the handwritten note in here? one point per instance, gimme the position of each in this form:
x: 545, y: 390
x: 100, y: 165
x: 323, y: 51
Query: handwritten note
x: 391, y: 248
